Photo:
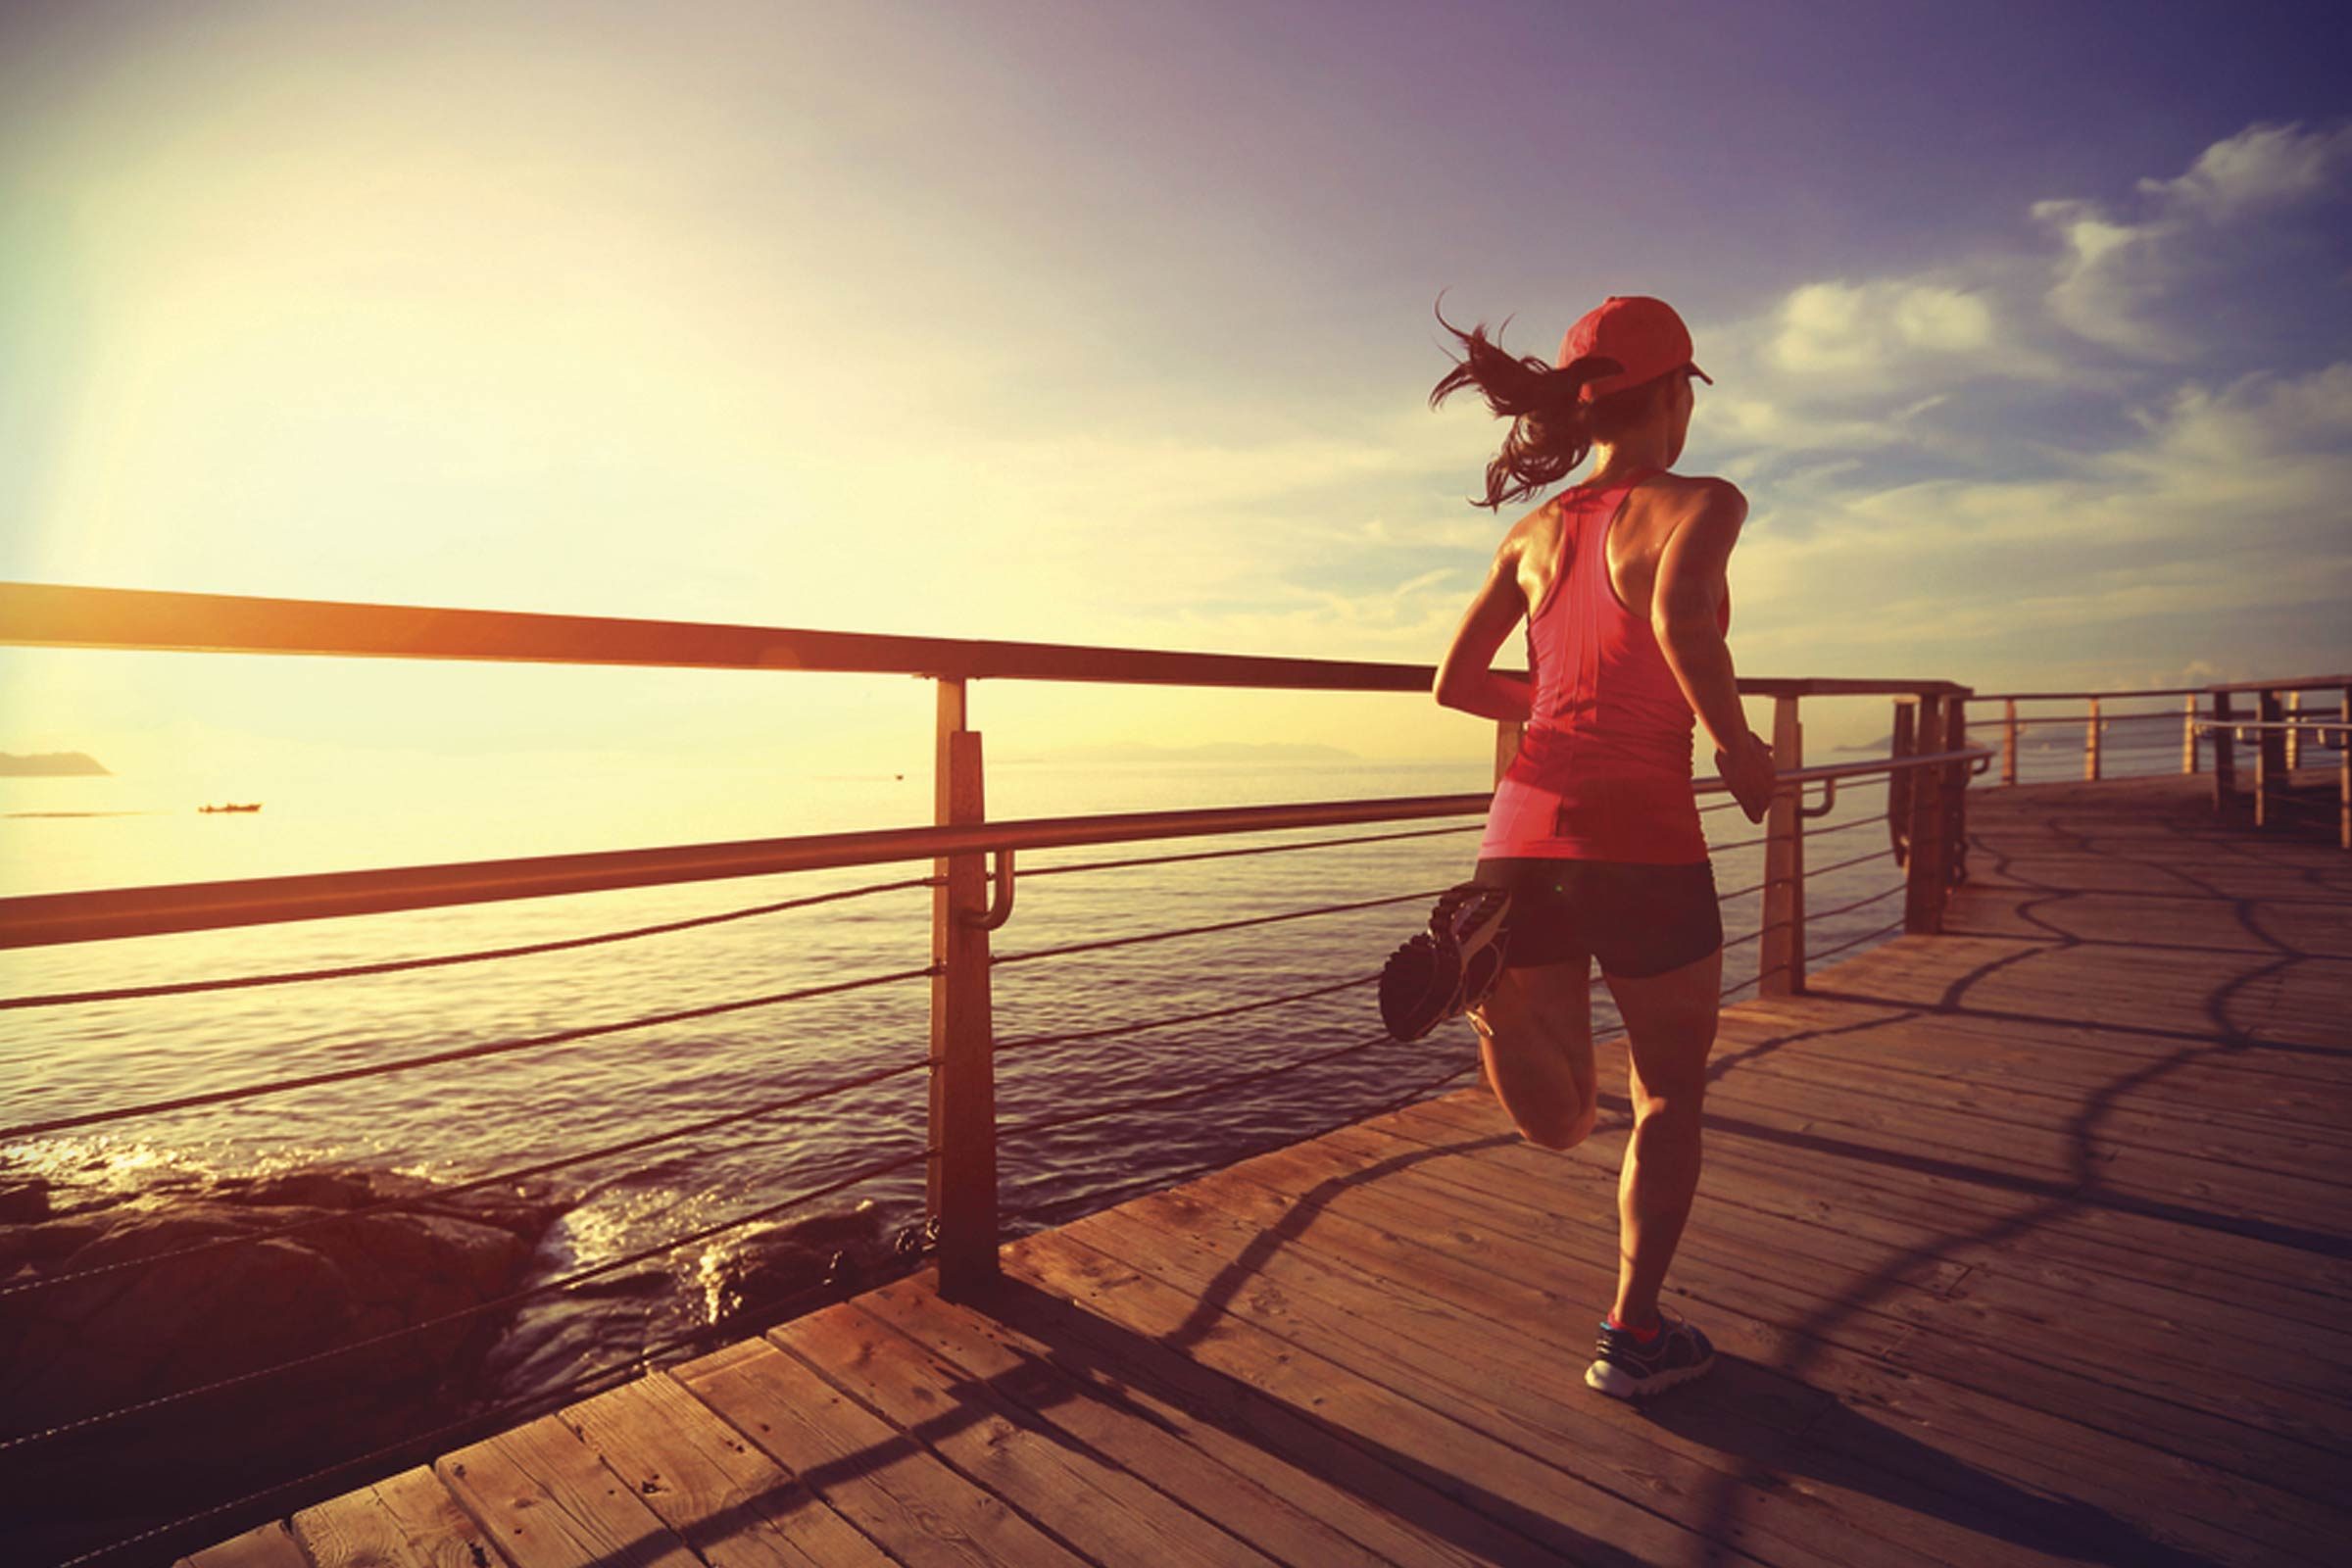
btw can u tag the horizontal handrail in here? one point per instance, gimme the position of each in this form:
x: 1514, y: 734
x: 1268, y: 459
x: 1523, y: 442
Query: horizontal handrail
x: 49, y: 918
x: 2300, y: 683
x: 2078, y: 720
x: 62, y: 615
x: 2206, y: 726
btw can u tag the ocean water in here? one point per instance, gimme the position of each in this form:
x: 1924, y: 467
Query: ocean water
x: 470, y: 1120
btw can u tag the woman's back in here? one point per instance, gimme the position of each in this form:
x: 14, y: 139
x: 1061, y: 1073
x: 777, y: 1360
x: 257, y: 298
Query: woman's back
x: 1603, y: 767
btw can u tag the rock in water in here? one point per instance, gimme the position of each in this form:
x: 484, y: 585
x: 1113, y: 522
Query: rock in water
x: 186, y: 1312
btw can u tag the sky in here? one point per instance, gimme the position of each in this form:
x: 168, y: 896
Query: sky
x: 2031, y: 331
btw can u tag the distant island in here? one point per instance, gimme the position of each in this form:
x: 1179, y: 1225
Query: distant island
x: 52, y: 764
x: 1275, y: 753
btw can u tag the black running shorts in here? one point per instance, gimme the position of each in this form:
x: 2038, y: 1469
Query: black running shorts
x: 1638, y: 921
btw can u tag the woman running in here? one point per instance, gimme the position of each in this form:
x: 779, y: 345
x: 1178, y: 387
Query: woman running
x: 1594, y: 833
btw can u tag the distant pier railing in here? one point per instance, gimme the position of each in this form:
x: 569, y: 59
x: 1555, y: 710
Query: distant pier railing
x: 2279, y: 725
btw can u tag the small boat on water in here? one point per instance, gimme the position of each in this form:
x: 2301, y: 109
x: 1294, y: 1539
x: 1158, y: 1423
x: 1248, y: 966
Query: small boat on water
x: 253, y: 807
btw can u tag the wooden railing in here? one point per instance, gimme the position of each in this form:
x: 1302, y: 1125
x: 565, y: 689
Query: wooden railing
x: 1927, y: 775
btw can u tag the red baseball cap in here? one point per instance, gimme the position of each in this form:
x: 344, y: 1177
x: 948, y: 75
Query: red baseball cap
x: 1642, y: 334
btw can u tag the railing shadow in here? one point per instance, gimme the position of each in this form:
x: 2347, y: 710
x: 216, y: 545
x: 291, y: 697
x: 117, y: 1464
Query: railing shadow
x: 2079, y: 1526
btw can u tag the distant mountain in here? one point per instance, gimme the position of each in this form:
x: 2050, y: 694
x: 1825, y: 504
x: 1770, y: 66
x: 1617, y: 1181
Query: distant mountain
x: 1272, y: 755
x: 52, y: 764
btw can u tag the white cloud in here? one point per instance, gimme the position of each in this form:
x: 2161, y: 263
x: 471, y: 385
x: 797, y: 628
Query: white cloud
x: 2117, y: 273
x: 2262, y: 166
x: 1842, y: 329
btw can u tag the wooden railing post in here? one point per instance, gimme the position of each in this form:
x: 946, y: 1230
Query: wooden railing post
x: 2009, y: 740
x: 963, y: 1168
x: 2269, y: 761
x: 2294, y: 737
x: 2224, y: 757
x: 1900, y: 744
x: 1955, y: 799
x: 1922, y: 897
x: 1781, y: 956
x: 1507, y: 732
x: 2090, y: 743
x: 2343, y: 773
x: 2188, y: 733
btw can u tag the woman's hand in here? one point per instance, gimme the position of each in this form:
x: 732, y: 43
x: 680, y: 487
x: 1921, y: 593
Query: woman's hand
x: 1749, y: 774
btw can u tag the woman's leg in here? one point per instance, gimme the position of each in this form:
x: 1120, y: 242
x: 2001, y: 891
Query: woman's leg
x: 1535, y: 1035
x: 1670, y: 1023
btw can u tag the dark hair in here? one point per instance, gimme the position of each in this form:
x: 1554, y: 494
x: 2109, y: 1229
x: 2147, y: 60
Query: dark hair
x: 1551, y: 429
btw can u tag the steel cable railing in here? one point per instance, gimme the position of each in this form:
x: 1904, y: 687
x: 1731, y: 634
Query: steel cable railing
x: 1109, y: 1031
x: 1812, y: 871
x: 1237, y: 1081
x: 182, y: 988
x: 423, y: 1445
x: 494, y: 1303
x: 1883, y: 893
x: 1207, y: 930
x: 441, y: 1194
x: 1090, y: 1202
x: 219, y: 1097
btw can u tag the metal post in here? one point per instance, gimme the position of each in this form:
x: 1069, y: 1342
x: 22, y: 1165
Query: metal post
x: 2224, y: 757
x: 2269, y: 761
x: 962, y: 1186
x: 2294, y: 737
x: 2009, y: 740
x: 1780, y: 957
x: 2188, y: 733
x: 2090, y: 743
x: 1922, y: 897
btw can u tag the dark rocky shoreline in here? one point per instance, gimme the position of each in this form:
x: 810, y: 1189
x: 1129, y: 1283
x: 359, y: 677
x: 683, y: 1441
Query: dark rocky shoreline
x: 208, y: 1278
x: 183, y: 1311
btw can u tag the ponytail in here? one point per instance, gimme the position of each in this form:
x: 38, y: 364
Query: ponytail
x: 1552, y: 426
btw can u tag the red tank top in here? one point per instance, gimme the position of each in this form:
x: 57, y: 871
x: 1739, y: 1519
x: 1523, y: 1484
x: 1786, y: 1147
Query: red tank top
x: 1603, y: 768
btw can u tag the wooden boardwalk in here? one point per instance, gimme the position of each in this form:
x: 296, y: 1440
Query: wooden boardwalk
x: 2025, y: 1244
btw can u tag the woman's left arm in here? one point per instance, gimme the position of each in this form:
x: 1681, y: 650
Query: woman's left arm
x: 1463, y: 679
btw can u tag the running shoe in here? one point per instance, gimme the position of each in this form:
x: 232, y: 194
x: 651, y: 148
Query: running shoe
x: 1450, y: 967
x: 1625, y: 1368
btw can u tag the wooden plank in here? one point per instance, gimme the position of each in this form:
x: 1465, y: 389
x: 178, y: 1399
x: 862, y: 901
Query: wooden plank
x: 1248, y: 1418
x: 893, y: 1489
x: 2222, y: 1089
x: 1753, y: 1319
x: 1525, y: 1392
x: 263, y: 1546
x: 546, y: 1502
x: 727, y: 1500
x: 1861, y: 1216
x: 1066, y: 1486
x: 405, y: 1521
x: 1522, y: 1331
x: 1718, y: 1271
x: 2099, y: 1115
x: 1556, y: 1515
x: 2121, y: 1240
x: 2051, y: 1151
x: 1252, y: 1489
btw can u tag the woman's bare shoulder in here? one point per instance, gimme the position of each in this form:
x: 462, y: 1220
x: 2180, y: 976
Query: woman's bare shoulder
x: 1696, y: 489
